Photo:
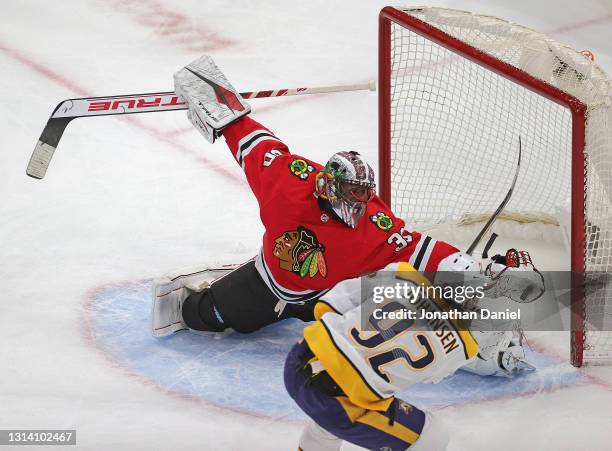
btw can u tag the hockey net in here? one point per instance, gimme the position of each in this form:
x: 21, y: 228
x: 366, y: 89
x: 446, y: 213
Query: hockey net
x: 456, y: 92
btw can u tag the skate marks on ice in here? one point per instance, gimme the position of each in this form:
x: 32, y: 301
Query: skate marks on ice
x: 244, y: 373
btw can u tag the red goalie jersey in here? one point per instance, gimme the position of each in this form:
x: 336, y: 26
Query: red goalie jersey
x: 305, y: 251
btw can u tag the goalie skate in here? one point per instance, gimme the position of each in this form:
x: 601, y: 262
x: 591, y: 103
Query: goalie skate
x: 171, y: 290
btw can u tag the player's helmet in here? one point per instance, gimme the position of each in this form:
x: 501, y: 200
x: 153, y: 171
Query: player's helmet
x: 347, y: 183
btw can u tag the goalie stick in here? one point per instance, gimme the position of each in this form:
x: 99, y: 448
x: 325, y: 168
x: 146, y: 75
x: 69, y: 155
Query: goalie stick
x: 70, y: 109
x: 501, y: 207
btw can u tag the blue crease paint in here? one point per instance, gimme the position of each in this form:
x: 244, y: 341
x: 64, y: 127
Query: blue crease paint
x: 244, y: 372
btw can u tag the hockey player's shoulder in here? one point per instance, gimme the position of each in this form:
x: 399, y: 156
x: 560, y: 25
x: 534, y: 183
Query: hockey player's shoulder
x: 381, y: 216
x: 290, y: 165
x: 289, y: 181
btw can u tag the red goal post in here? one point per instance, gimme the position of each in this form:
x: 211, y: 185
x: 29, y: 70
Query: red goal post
x: 426, y: 57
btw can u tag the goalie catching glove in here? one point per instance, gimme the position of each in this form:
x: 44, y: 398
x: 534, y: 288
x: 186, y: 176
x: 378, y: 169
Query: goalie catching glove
x: 512, y: 275
x: 212, y: 101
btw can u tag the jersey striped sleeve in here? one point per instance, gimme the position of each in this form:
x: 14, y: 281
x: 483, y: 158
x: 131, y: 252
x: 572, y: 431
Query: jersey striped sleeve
x: 426, y: 253
x: 254, y: 147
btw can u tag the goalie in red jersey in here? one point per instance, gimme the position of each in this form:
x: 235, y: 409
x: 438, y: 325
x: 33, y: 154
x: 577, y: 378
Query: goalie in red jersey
x: 323, y: 225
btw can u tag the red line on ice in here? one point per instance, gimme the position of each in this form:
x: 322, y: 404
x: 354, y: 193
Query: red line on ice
x: 199, y: 154
x: 175, y: 27
x: 53, y: 76
x: 595, y: 380
x: 88, y: 333
x: 582, y: 24
x: 44, y: 71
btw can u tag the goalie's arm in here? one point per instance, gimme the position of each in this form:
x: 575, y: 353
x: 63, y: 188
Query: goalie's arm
x: 249, y: 141
x: 216, y: 108
x: 254, y: 147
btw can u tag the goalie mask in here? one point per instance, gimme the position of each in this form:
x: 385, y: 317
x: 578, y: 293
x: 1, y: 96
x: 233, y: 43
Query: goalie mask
x: 347, y: 183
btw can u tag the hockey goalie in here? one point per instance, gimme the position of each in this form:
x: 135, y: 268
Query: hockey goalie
x: 324, y: 224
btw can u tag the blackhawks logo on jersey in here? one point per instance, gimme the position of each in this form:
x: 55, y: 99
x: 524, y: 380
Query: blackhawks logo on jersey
x: 300, y: 252
x: 300, y: 168
x: 382, y: 220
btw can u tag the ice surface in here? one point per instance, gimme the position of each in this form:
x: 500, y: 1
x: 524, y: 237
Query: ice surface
x: 127, y: 199
x: 185, y: 363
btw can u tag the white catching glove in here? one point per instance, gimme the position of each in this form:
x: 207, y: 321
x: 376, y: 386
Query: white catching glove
x: 213, y: 102
x: 513, y: 276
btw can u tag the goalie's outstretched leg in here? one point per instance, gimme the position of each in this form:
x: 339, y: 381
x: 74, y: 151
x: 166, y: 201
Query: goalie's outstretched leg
x: 172, y: 290
x: 212, y: 302
x: 239, y: 300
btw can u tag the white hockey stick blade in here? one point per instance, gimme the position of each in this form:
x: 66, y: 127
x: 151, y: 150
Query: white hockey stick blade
x: 40, y: 159
x: 47, y: 143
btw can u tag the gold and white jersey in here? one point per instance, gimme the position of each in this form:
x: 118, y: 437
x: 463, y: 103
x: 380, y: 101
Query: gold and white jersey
x: 372, y: 357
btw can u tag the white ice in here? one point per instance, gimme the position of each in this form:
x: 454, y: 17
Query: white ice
x: 131, y: 198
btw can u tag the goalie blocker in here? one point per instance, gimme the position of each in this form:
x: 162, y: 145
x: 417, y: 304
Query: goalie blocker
x: 213, y: 102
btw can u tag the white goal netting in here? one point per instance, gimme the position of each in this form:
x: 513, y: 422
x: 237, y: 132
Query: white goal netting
x: 455, y: 128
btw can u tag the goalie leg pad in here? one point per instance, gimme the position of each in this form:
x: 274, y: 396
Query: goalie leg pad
x: 171, y: 291
x: 214, y: 299
x: 499, y: 355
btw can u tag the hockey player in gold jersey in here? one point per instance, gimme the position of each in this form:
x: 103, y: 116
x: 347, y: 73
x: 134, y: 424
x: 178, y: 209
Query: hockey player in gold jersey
x: 346, y: 371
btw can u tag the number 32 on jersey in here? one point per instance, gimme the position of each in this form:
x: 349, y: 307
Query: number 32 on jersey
x: 394, y: 344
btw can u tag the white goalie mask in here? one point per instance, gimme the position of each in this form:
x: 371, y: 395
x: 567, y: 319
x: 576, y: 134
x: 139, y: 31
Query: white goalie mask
x: 347, y: 183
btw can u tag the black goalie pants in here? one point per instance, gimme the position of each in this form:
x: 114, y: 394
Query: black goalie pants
x: 240, y: 300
